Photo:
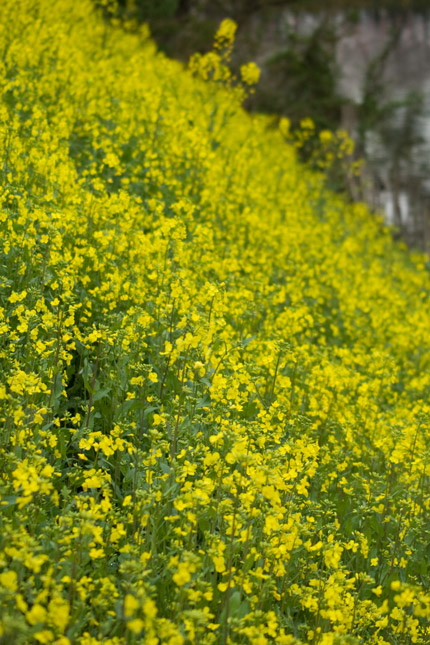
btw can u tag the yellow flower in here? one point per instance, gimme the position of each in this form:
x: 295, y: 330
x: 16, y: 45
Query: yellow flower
x: 58, y: 611
x: 9, y: 580
x: 250, y: 73
x: 44, y: 637
x: 183, y: 573
x: 136, y: 625
x: 37, y: 614
x: 149, y: 608
x: 226, y: 32
x: 131, y: 603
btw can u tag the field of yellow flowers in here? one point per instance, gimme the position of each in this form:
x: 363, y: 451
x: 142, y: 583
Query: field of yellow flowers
x: 215, y: 374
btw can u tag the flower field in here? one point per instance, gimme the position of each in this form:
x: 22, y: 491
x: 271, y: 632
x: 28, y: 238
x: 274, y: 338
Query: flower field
x: 215, y: 373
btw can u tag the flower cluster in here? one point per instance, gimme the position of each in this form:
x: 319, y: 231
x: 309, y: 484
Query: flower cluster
x: 214, y: 372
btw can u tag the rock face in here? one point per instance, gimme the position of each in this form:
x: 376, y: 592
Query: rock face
x: 408, y: 64
x: 383, y: 64
x: 398, y: 151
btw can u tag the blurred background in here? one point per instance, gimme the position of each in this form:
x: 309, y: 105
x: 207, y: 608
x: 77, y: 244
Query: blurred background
x: 358, y: 65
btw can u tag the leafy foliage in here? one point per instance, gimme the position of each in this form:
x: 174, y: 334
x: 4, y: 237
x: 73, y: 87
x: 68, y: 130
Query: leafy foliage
x: 214, y: 370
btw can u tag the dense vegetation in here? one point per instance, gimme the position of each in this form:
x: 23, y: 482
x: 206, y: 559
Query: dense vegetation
x: 214, y: 372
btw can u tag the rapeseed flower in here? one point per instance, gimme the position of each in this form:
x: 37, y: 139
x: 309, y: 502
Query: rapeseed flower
x: 214, y: 370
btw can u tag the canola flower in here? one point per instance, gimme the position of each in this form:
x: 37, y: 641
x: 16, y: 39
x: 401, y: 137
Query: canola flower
x: 214, y: 372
